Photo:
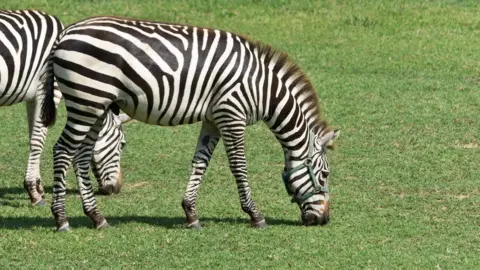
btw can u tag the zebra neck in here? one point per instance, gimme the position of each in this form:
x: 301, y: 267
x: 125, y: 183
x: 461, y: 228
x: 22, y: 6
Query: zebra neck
x: 294, y: 135
x: 290, y: 121
x: 296, y: 155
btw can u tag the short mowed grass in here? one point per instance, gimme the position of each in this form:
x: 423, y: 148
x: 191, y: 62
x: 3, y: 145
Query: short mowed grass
x: 399, y: 78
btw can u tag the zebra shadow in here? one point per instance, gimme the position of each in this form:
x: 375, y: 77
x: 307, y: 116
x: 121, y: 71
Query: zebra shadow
x: 15, y: 223
x: 20, y: 190
x: 12, y: 196
x: 5, y: 191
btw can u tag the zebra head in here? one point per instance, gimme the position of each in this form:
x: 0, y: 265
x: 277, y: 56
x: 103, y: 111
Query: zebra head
x: 307, y: 182
x: 106, y: 155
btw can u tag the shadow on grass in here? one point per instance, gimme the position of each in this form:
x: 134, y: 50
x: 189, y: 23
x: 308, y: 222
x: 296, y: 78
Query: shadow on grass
x: 9, y: 196
x: 11, y: 201
x: 15, y: 223
x: 4, y: 191
x: 11, y: 190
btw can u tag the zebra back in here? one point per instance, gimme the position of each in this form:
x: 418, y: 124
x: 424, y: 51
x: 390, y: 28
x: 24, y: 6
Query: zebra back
x: 26, y: 37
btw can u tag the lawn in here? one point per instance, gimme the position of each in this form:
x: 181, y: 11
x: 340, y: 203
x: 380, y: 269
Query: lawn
x: 399, y: 78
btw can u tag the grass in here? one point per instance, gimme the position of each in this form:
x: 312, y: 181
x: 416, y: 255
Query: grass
x: 399, y: 78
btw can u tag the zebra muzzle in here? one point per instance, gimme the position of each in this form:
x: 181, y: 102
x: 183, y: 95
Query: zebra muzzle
x: 312, y: 218
x: 112, y: 187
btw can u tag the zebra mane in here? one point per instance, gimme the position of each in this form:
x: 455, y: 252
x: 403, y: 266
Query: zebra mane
x: 284, y: 62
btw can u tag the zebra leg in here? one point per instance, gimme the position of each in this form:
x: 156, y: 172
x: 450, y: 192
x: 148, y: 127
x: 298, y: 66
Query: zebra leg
x: 37, y: 135
x: 233, y: 135
x: 206, y: 143
x: 67, y: 146
x: 62, y: 157
x: 81, y: 165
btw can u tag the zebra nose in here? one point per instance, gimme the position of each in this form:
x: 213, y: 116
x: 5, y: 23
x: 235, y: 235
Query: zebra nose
x: 323, y: 219
x: 308, y: 219
x: 311, y: 218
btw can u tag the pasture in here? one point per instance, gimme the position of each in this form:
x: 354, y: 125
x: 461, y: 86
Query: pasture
x: 399, y: 78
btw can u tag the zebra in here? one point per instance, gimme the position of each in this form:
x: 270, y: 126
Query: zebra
x: 26, y: 38
x: 172, y: 74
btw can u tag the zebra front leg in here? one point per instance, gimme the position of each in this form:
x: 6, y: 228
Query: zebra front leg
x: 81, y: 165
x: 37, y: 135
x: 206, y: 143
x: 233, y: 135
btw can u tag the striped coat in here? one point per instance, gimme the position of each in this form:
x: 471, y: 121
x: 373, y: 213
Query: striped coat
x: 26, y: 39
x: 170, y: 74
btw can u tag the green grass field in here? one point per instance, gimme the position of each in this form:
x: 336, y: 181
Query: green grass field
x: 401, y: 81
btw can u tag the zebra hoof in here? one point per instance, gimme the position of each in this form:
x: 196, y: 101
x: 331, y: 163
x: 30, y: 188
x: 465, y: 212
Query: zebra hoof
x: 104, y: 225
x: 41, y: 202
x: 64, y: 228
x: 40, y: 190
x: 262, y: 224
x: 195, y: 225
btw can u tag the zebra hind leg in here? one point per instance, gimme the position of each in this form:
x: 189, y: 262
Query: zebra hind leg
x: 233, y: 135
x: 73, y: 135
x: 206, y: 143
x: 81, y: 165
x: 62, y: 157
x: 37, y: 135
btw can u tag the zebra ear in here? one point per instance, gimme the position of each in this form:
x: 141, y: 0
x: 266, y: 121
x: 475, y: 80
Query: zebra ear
x: 328, y: 138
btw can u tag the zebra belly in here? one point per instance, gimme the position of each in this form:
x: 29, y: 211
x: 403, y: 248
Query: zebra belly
x: 17, y: 90
x: 12, y: 96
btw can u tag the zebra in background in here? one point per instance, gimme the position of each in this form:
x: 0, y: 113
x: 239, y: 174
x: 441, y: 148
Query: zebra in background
x: 26, y: 39
x: 168, y: 74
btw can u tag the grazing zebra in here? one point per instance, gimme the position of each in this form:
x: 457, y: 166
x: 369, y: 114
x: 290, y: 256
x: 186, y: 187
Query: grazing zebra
x: 169, y: 74
x: 26, y: 39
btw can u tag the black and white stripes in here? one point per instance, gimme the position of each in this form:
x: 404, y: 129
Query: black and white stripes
x: 26, y: 39
x: 167, y: 74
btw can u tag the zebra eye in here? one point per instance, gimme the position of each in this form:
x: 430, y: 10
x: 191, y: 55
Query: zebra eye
x: 325, y: 174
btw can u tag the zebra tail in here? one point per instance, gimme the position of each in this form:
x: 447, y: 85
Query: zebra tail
x: 49, y: 110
